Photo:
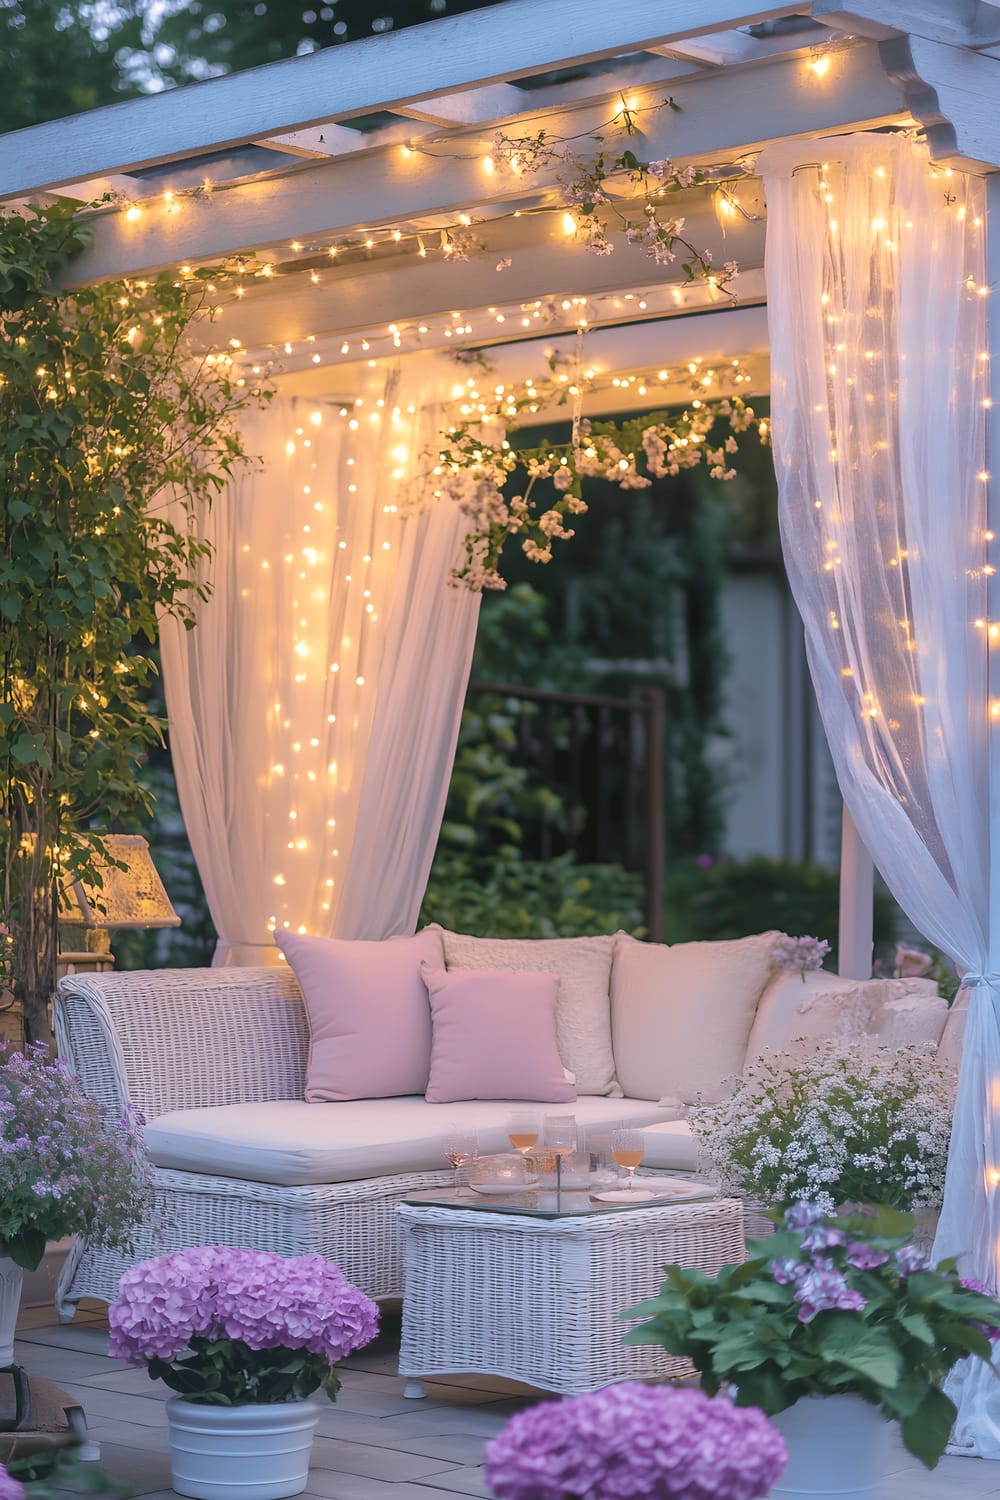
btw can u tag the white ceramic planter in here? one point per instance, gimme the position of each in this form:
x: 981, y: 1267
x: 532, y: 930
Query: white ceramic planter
x: 11, y: 1277
x: 232, y: 1452
x: 836, y: 1448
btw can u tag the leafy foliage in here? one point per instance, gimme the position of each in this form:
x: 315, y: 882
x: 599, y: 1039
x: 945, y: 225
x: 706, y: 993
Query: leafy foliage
x: 532, y: 898
x: 728, y: 898
x: 110, y: 433
x: 751, y: 1325
x: 227, y: 1372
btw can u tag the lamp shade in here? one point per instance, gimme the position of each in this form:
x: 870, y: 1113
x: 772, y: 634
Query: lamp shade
x: 132, y: 896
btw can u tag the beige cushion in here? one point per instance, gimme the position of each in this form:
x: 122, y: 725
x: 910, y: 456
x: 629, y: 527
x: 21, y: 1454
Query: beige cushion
x: 670, y: 1147
x: 681, y: 1015
x: 953, y: 1035
x: 894, y: 1012
x: 293, y: 1143
x: 583, y: 1021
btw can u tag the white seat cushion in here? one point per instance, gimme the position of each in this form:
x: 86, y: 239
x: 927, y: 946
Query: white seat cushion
x: 293, y: 1143
x: 670, y: 1147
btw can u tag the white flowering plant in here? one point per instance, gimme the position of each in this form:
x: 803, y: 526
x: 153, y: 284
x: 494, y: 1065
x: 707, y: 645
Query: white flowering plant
x: 478, y: 457
x: 831, y: 1124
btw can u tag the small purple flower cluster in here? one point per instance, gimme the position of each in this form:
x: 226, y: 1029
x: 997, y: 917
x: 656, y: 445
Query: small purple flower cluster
x: 820, y: 1284
x: 799, y: 955
x: 636, y: 1442
x: 66, y: 1165
x: 10, y: 1488
x: 264, y: 1301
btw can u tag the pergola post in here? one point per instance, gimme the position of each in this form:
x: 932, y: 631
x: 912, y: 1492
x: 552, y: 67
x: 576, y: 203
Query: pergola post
x: 992, y: 351
x: 857, y: 893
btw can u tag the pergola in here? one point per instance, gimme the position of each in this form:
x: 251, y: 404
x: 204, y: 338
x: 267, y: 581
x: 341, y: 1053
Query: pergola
x: 343, y: 177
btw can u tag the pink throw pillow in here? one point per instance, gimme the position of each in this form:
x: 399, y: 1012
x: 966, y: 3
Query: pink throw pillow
x: 494, y: 1036
x: 369, y: 1023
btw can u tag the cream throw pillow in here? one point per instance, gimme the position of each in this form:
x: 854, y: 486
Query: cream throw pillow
x: 681, y: 1015
x: 583, y: 1010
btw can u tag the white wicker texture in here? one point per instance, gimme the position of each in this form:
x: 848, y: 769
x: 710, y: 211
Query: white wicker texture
x: 167, y: 1039
x: 352, y: 1223
x: 538, y: 1300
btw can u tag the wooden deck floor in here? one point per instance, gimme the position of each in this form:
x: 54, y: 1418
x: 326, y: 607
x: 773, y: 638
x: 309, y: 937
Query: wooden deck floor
x: 373, y: 1444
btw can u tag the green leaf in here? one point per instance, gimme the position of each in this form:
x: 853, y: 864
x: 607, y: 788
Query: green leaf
x: 926, y: 1432
x: 870, y: 1352
x: 917, y: 1325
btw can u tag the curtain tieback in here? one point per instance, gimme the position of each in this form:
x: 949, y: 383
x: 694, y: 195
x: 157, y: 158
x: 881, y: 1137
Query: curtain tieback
x: 968, y: 980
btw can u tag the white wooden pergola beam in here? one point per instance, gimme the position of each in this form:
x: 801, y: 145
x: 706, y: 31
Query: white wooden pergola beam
x: 519, y: 38
x: 722, y: 115
x: 950, y: 21
x: 716, y: 337
x: 408, y: 291
x: 492, y: 106
x: 954, y: 93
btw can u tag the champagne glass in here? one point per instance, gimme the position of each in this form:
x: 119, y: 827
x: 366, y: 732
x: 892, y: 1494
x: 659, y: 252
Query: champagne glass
x: 461, y: 1147
x: 523, y: 1131
x: 627, y: 1150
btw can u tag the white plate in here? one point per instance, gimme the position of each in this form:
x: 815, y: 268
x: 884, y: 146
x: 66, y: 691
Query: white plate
x: 623, y: 1195
x: 503, y: 1189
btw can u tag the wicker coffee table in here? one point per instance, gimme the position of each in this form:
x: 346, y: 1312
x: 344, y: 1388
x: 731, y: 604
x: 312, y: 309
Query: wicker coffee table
x: 536, y: 1297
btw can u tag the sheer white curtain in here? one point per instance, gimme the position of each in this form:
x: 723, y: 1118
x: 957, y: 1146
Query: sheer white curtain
x: 874, y: 268
x: 314, y: 708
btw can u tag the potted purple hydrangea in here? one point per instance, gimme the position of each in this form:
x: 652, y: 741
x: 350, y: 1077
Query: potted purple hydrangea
x: 835, y: 1325
x: 636, y: 1442
x: 245, y: 1338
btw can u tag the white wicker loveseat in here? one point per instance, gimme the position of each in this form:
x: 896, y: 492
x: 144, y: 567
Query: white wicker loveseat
x: 215, y: 1060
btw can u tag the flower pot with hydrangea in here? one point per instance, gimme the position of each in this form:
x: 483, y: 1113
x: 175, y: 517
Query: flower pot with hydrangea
x: 245, y: 1338
x: 67, y: 1166
x: 835, y: 1326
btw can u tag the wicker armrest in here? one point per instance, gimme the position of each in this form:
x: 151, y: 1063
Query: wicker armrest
x: 169, y: 1039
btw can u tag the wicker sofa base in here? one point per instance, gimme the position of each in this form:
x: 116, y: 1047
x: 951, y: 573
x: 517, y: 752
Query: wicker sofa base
x: 352, y: 1223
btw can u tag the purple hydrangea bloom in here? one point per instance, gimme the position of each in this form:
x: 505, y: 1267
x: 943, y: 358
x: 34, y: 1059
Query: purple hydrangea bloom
x: 865, y: 1257
x: 265, y: 1301
x: 802, y: 1215
x: 10, y: 1488
x: 786, y: 1269
x: 636, y: 1442
x: 822, y: 1237
x: 910, y: 1259
x: 824, y: 1288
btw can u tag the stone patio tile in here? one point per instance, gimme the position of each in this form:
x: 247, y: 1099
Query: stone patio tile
x: 101, y: 1404
x: 134, y: 1382
x: 330, y: 1486
x: 373, y: 1462
x: 114, y: 1431
x: 441, y: 1421
x: 468, y: 1481
x: 59, y: 1364
x: 458, y: 1448
x: 85, y: 1337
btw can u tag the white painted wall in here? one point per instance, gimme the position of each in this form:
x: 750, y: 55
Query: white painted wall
x: 783, y: 797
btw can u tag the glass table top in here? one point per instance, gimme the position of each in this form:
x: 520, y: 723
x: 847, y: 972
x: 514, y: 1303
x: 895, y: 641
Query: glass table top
x: 547, y: 1203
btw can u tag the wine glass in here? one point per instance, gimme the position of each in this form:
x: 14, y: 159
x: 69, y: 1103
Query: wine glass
x: 560, y: 1134
x: 627, y: 1150
x: 461, y: 1147
x: 559, y: 1138
x: 522, y: 1131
